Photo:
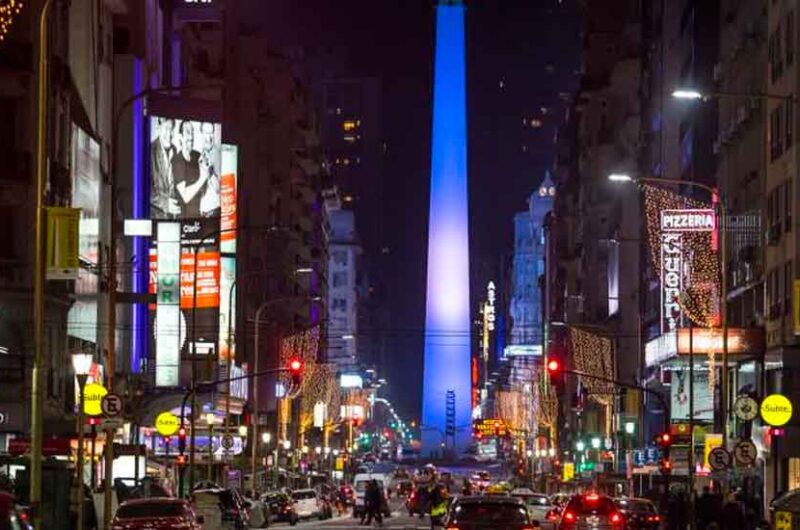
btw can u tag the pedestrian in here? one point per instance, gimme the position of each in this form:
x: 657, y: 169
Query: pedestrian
x: 732, y: 514
x: 439, y: 504
x: 373, y: 503
x: 466, y: 488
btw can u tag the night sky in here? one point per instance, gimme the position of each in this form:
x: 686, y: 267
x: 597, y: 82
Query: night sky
x: 523, y: 56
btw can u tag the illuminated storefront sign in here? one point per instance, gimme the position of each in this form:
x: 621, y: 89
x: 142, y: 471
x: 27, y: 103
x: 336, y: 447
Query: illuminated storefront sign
x: 168, y: 329
x: 741, y: 341
x: 490, y: 427
x: 523, y: 350
x: 776, y: 410
x: 351, y: 381
x: 679, y: 396
x: 671, y: 280
x: 240, y: 385
x: 690, y: 220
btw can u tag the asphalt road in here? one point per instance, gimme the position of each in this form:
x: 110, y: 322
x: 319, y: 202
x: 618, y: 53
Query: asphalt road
x: 398, y: 521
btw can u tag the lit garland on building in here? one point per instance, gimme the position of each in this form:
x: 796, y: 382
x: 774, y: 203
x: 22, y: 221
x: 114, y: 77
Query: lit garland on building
x: 593, y: 355
x: 699, y: 297
x: 9, y: 9
x: 547, y: 412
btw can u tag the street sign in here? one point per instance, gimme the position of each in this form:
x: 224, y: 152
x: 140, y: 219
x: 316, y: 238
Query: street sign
x: 745, y: 453
x: 111, y: 423
x: 776, y: 410
x: 111, y: 405
x: 93, y: 395
x: 783, y: 521
x: 745, y: 408
x: 719, y: 458
x: 227, y: 441
x: 167, y: 423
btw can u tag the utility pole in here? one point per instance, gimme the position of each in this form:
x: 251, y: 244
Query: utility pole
x: 37, y: 400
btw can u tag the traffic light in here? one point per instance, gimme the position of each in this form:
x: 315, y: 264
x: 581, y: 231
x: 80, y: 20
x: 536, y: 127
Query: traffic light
x: 556, y: 372
x: 665, y: 465
x: 296, y: 370
x: 181, y: 460
x: 182, y: 440
x: 664, y: 440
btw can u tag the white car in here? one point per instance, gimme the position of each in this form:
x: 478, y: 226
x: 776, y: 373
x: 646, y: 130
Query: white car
x: 360, y: 482
x: 307, y: 504
x: 538, y: 505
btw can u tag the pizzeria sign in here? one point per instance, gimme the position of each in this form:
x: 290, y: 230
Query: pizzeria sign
x: 690, y: 220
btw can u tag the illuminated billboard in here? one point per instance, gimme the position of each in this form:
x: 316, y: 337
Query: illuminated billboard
x: 85, y: 176
x: 679, y: 395
x: 185, y: 168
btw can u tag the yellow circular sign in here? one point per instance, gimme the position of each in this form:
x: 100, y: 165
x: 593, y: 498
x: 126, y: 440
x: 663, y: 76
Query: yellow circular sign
x: 167, y: 424
x: 776, y: 410
x: 93, y: 395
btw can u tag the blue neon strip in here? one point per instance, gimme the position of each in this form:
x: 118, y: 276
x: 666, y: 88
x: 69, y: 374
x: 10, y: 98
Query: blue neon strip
x: 139, y: 317
x: 447, y: 318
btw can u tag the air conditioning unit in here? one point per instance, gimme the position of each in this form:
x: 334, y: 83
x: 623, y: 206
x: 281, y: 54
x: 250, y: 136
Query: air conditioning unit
x: 717, y: 75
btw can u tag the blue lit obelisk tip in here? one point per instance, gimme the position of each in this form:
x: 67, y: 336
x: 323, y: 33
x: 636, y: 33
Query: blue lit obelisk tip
x: 446, y: 413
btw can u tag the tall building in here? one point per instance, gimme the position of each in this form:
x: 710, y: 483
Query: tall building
x: 344, y: 253
x: 526, y: 330
x: 781, y: 243
x: 446, y: 403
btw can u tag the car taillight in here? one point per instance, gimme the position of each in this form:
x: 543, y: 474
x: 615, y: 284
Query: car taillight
x: 569, y: 517
x: 552, y: 515
x: 616, y: 518
x: 592, y: 497
x: 452, y: 528
x: 654, y: 518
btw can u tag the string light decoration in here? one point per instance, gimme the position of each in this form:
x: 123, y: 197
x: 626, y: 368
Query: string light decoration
x: 547, y: 412
x: 320, y: 384
x: 593, y: 354
x: 699, y: 295
x: 9, y: 9
x: 303, y: 346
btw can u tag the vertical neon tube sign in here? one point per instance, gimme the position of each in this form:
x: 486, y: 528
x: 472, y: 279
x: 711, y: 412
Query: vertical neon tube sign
x: 140, y: 189
x: 447, y: 317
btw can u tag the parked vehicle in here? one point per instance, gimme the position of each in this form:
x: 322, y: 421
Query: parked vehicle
x: 538, y: 505
x: 156, y: 514
x: 221, y: 508
x: 280, y: 507
x: 308, y: 504
x: 257, y: 513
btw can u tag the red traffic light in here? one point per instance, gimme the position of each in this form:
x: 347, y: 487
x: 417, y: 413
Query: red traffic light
x: 182, y: 432
x: 553, y: 366
x: 665, y: 439
x: 295, y: 365
x: 181, y: 460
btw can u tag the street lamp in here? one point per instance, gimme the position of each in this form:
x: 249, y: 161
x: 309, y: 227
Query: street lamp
x: 287, y: 445
x: 692, y: 94
x: 595, y: 443
x: 266, y: 438
x: 81, y: 365
x: 551, y: 452
x: 211, y: 418
x: 620, y: 177
x: 580, y: 446
x: 687, y: 93
x: 242, y: 430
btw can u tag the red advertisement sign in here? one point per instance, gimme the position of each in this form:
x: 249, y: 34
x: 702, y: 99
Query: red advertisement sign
x: 228, y: 210
x: 207, y: 279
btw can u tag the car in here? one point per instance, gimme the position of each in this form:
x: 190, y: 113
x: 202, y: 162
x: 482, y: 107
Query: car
x: 640, y: 514
x: 591, y: 510
x: 221, y: 508
x: 156, y: 514
x: 488, y: 513
x: 281, y: 507
x: 538, y: 504
x: 307, y: 504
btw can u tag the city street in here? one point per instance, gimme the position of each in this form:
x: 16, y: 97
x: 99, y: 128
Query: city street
x: 397, y: 521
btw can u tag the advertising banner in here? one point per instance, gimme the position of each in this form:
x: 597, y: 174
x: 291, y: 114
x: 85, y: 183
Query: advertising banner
x: 62, y: 243
x: 679, y: 396
x: 227, y: 308
x: 185, y: 168
x: 168, y: 329
x: 228, y: 199
x: 86, y: 178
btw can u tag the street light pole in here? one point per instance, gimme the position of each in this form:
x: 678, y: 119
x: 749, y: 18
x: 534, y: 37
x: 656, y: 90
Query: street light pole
x: 81, y: 365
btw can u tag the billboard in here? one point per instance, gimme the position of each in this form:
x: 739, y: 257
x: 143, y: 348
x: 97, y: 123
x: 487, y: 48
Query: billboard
x: 185, y: 168
x: 709, y: 340
x: 523, y: 350
x: 679, y: 395
x: 85, y: 177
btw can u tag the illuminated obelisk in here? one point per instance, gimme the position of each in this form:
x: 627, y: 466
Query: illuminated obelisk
x: 446, y: 393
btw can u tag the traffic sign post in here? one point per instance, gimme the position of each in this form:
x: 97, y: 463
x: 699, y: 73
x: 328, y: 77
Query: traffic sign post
x: 719, y: 459
x: 745, y: 453
x: 111, y: 405
x: 745, y: 408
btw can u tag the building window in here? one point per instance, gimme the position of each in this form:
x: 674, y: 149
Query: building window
x: 339, y: 279
x: 790, y: 38
x: 789, y: 118
x: 349, y: 125
x: 776, y: 132
x: 339, y: 257
x: 788, y: 284
x: 787, y: 205
x: 339, y: 304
